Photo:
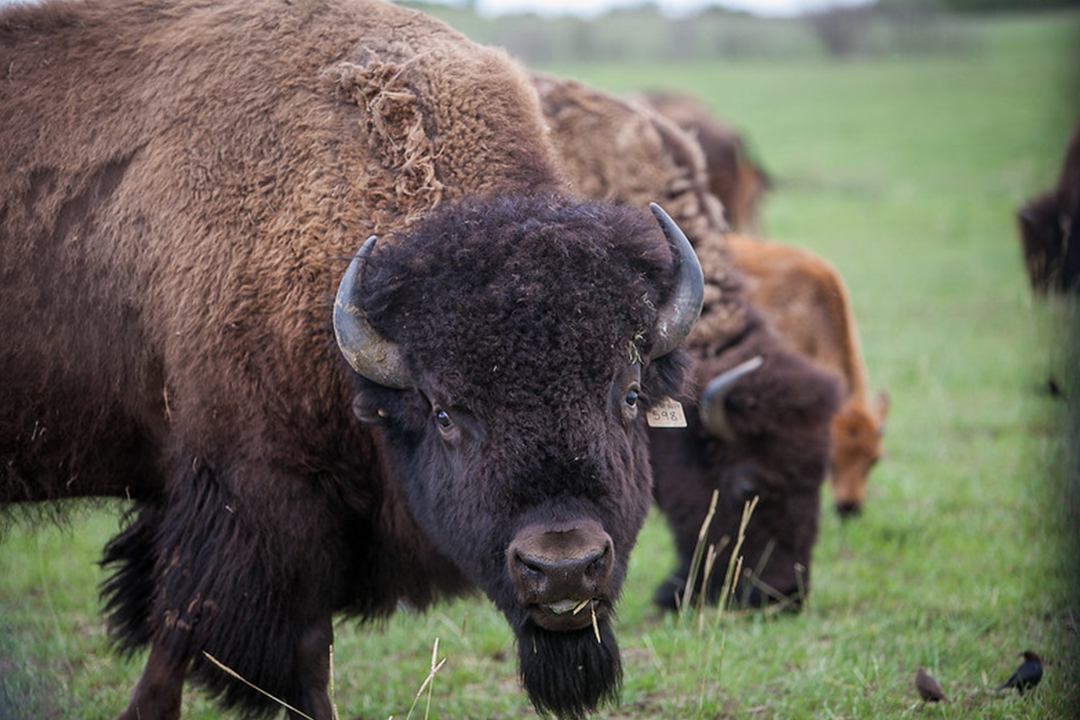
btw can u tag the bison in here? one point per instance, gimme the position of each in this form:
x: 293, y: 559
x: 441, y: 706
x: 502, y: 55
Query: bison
x: 805, y: 299
x: 462, y: 407
x: 733, y: 176
x: 1048, y: 229
x: 763, y: 433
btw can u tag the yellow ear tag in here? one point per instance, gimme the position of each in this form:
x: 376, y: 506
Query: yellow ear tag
x: 667, y: 413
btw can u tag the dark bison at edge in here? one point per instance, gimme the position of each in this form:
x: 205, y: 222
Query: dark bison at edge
x: 181, y: 187
x: 1048, y: 234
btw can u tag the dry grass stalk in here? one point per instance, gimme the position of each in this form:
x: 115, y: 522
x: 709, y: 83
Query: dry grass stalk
x: 333, y: 704
x: 228, y: 670
x: 731, y: 578
x: 699, y: 551
x: 436, y: 665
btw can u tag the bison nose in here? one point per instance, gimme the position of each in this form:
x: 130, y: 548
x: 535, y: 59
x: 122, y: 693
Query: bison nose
x: 557, y: 572
x: 847, y: 510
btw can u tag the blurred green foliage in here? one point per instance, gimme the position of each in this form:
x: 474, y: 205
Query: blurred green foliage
x: 643, y: 34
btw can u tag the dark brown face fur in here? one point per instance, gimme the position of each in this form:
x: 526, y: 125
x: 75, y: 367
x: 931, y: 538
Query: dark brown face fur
x: 522, y: 445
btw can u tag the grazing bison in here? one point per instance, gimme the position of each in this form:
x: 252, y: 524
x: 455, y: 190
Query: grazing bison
x: 805, y: 299
x: 763, y: 433
x: 1048, y: 229
x: 733, y: 176
x: 182, y: 185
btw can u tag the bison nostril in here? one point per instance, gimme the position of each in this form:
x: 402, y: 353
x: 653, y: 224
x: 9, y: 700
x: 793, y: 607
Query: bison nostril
x: 600, y: 563
x: 529, y: 567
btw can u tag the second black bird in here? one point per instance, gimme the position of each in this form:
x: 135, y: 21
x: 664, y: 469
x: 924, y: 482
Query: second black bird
x: 1027, y: 676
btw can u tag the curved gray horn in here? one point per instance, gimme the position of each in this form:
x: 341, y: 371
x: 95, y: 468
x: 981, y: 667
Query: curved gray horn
x: 712, y: 413
x: 677, y: 316
x: 369, y: 354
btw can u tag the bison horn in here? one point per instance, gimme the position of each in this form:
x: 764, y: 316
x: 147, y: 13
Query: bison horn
x: 369, y: 354
x: 712, y: 413
x: 677, y: 317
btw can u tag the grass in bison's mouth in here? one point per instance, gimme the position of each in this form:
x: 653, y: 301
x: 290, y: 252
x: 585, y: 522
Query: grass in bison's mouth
x: 564, y: 606
x: 570, y: 608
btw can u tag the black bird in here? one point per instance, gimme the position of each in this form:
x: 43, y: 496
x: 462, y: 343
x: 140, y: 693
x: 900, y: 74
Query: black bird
x: 928, y: 687
x: 1027, y: 676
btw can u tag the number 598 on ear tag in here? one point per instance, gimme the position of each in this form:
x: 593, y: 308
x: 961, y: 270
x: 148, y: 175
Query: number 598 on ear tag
x: 666, y: 413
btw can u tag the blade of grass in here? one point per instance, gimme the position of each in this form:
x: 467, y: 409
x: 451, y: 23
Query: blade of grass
x: 695, y: 560
x: 232, y: 673
x: 436, y: 665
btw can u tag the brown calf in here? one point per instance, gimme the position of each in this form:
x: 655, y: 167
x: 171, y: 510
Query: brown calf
x: 805, y: 299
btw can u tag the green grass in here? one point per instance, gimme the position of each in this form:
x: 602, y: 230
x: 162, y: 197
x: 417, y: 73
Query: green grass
x: 905, y: 173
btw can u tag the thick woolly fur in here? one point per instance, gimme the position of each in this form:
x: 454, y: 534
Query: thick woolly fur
x: 181, y: 187
x: 622, y: 151
x: 733, y: 177
x: 615, y: 150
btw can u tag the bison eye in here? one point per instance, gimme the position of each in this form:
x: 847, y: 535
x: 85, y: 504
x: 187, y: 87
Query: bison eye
x: 443, y: 418
x: 632, y: 396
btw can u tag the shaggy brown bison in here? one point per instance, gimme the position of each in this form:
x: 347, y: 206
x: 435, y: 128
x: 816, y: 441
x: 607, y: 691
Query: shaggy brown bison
x: 182, y: 184
x: 805, y: 299
x: 1048, y: 229
x: 733, y: 176
x: 763, y: 433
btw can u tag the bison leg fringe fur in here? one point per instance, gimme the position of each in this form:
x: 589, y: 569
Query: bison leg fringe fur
x: 128, y: 593
x: 166, y: 585
x: 570, y: 674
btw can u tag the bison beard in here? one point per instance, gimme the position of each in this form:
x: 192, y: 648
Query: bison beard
x: 568, y: 674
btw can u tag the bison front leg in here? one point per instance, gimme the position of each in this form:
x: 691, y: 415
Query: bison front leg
x: 157, y: 695
x: 314, y: 669
x: 158, y: 692
x: 239, y: 598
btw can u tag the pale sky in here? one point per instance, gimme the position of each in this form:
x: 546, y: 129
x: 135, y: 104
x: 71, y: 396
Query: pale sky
x: 590, y: 8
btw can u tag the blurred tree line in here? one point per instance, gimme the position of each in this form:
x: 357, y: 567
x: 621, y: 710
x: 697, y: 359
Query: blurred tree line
x: 994, y: 5
x: 643, y: 33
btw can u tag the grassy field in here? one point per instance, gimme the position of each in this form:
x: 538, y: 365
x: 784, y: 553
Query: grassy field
x: 905, y: 173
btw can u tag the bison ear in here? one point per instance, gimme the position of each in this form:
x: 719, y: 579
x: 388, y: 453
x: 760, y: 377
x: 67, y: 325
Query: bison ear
x: 367, y: 411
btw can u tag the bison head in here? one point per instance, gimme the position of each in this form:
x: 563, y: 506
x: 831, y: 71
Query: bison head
x: 761, y: 430
x: 1044, y: 232
x: 510, y: 349
x: 857, y: 431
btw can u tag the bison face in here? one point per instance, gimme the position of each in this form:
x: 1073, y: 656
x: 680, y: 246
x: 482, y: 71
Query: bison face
x: 511, y: 348
x: 1046, y: 236
x: 857, y: 431
x: 762, y: 431
x: 1041, y: 239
